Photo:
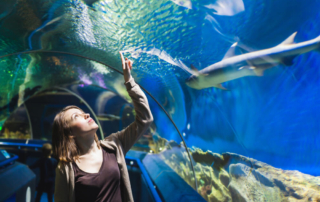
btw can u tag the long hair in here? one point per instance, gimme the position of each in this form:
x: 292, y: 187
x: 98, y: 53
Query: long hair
x: 64, y: 145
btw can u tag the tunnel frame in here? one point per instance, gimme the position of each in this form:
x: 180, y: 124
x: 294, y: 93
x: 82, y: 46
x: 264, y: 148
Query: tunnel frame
x: 81, y: 56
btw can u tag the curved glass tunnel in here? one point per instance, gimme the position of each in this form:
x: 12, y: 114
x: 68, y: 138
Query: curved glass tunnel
x: 255, y: 137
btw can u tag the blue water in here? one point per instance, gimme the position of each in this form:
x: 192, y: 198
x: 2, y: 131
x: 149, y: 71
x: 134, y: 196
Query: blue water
x: 273, y: 118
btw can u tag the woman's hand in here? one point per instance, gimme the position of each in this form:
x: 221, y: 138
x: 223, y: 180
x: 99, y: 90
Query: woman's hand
x: 126, y: 67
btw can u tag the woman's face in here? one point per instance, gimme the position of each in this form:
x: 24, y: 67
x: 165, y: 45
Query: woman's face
x: 81, y: 124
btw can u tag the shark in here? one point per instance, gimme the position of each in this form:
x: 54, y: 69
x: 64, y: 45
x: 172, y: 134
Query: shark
x: 253, y: 63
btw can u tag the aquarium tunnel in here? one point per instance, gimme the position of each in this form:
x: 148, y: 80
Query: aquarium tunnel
x: 233, y: 86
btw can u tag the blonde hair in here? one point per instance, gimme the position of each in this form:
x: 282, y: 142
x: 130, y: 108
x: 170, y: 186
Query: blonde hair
x: 64, y: 145
x: 46, y: 149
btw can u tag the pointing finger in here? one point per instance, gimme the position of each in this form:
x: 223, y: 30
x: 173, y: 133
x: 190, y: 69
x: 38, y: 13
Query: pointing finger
x: 130, y: 64
x: 122, y: 60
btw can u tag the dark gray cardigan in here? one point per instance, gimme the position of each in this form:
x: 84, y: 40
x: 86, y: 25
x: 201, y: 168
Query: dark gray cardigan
x: 120, y: 142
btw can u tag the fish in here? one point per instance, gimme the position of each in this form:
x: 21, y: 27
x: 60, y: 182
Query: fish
x: 108, y: 117
x: 254, y: 63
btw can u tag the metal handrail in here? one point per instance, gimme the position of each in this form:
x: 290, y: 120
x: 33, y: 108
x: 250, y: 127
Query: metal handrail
x: 147, y: 178
x: 7, y: 161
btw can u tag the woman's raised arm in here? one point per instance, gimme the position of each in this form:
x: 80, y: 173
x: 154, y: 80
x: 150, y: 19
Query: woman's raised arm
x: 143, y: 119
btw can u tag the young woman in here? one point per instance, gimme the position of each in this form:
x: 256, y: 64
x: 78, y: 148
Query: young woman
x: 93, y: 170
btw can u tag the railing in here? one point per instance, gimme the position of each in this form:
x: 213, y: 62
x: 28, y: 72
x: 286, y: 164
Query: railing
x: 131, y: 161
x: 136, y: 162
x: 8, y: 161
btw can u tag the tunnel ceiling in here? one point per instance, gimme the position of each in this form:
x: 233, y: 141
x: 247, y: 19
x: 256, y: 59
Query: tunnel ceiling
x: 49, y: 43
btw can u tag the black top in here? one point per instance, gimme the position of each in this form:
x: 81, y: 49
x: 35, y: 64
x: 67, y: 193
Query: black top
x: 102, y: 186
x: 47, y: 173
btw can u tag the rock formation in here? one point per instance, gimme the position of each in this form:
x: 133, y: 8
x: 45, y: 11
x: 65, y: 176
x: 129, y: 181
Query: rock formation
x: 231, y: 177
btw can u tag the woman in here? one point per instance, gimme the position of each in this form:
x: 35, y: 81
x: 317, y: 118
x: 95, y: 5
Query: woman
x: 93, y: 170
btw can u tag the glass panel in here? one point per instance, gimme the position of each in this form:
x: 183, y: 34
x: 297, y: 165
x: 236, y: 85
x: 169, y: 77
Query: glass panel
x: 45, y: 105
x: 112, y: 111
x: 247, y: 136
x: 164, y: 143
x: 26, y: 74
x: 14, y: 82
x: 103, y: 90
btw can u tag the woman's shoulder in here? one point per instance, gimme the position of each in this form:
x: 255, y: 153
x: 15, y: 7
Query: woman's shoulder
x: 110, y: 142
x: 111, y: 139
x: 63, y: 167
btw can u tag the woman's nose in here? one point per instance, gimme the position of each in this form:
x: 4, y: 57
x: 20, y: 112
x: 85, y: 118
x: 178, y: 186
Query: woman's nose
x: 86, y: 116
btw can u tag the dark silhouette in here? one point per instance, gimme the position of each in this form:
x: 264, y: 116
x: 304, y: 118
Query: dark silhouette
x: 47, y: 166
